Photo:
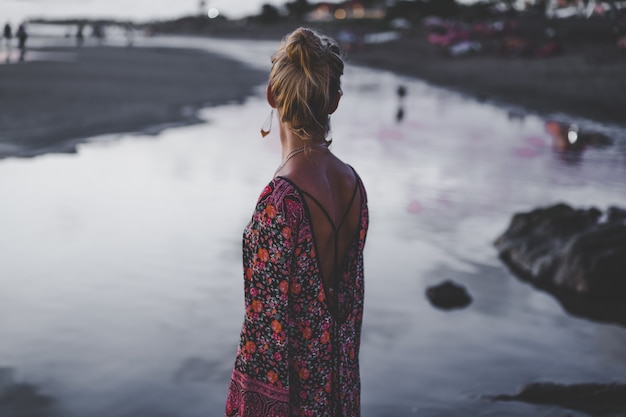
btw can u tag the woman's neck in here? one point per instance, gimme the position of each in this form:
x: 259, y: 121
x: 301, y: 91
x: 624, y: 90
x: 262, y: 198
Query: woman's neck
x: 290, y: 142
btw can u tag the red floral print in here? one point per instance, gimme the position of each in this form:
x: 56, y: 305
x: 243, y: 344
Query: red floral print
x: 297, y: 356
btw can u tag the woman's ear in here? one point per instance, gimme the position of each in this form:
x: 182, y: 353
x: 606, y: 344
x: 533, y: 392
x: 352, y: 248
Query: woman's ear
x: 270, y: 96
x: 335, y: 102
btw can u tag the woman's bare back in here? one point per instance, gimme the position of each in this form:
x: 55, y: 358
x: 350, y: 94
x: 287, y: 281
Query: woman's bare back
x: 330, y: 189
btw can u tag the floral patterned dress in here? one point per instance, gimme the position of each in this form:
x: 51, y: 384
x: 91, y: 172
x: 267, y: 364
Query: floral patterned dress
x: 299, y: 353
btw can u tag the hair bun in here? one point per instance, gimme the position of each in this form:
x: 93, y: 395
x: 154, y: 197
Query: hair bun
x: 305, y: 82
x: 300, y: 48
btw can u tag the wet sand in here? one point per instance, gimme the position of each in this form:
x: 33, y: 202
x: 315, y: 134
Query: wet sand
x: 81, y: 93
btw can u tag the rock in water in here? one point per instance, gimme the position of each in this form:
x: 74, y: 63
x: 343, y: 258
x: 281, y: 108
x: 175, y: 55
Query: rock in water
x: 589, y: 398
x: 578, y: 255
x: 448, y: 295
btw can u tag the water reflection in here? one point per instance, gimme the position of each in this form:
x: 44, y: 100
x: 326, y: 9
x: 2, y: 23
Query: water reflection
x: 122, y: 262
x: 8, y: 57
x: 569, y: 141
x: 401, y: 92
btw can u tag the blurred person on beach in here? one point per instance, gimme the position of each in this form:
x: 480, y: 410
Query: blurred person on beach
x: 97, y: 31
x: 80, y: 36
x: 129, y: 34
x: 298, y: 353
x: 7, y: 33
x: 22, y: 36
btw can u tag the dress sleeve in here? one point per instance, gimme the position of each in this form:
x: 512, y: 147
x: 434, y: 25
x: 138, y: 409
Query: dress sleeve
x: 260, y: 382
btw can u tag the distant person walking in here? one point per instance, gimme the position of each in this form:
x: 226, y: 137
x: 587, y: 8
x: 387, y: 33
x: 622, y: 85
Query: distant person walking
x: 97, y: 31
x: 80, y: 36
x: 8, y: 35
x: 22, y: 36
x: 129, y: 33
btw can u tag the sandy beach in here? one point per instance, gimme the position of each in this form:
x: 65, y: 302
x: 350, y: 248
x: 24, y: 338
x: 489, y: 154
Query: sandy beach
x: 80, y: 93
x: 586, y: 80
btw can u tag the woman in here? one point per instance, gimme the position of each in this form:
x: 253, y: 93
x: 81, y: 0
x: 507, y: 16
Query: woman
x: 303, y: 254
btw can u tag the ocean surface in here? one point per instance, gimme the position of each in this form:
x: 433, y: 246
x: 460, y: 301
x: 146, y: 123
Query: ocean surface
x: 121, y: 290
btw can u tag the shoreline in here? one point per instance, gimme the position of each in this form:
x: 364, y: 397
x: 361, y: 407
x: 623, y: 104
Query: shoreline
x: 586, y: 81
x: 50, y: 106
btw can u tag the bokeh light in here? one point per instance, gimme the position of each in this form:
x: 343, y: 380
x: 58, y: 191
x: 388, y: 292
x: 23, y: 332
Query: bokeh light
x: 572, y: 134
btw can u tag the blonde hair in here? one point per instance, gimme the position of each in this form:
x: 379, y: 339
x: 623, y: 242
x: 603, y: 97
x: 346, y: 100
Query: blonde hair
x: 305, y: 82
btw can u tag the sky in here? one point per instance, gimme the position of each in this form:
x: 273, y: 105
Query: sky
x: 139, y: 10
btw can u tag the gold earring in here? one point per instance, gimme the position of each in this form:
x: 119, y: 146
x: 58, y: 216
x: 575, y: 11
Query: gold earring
x: 267, y: 126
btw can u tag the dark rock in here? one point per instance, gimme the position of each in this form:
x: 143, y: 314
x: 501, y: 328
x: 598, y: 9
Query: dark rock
x: 23, y: 399
x: 616, y: 214
x: 578, y: 255
x: 448, y: 295
x: 595, y: 399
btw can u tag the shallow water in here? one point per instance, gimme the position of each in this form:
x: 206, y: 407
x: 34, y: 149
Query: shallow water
x: 121, y: 278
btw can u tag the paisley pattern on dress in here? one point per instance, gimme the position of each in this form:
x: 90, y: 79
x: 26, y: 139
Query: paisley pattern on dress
x: 296, y: 356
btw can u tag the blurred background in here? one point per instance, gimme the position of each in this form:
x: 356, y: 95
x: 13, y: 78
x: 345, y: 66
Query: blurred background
x: 131, y: 159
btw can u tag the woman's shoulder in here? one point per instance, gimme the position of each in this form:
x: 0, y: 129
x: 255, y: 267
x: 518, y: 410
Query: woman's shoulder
x: 281, y: 188
x: 284, y: 196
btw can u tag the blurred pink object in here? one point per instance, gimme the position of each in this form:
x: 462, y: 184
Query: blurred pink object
x: 390, y: 134
x: 526, y: 152
x: 414, y: 207
x: 535, y: 142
